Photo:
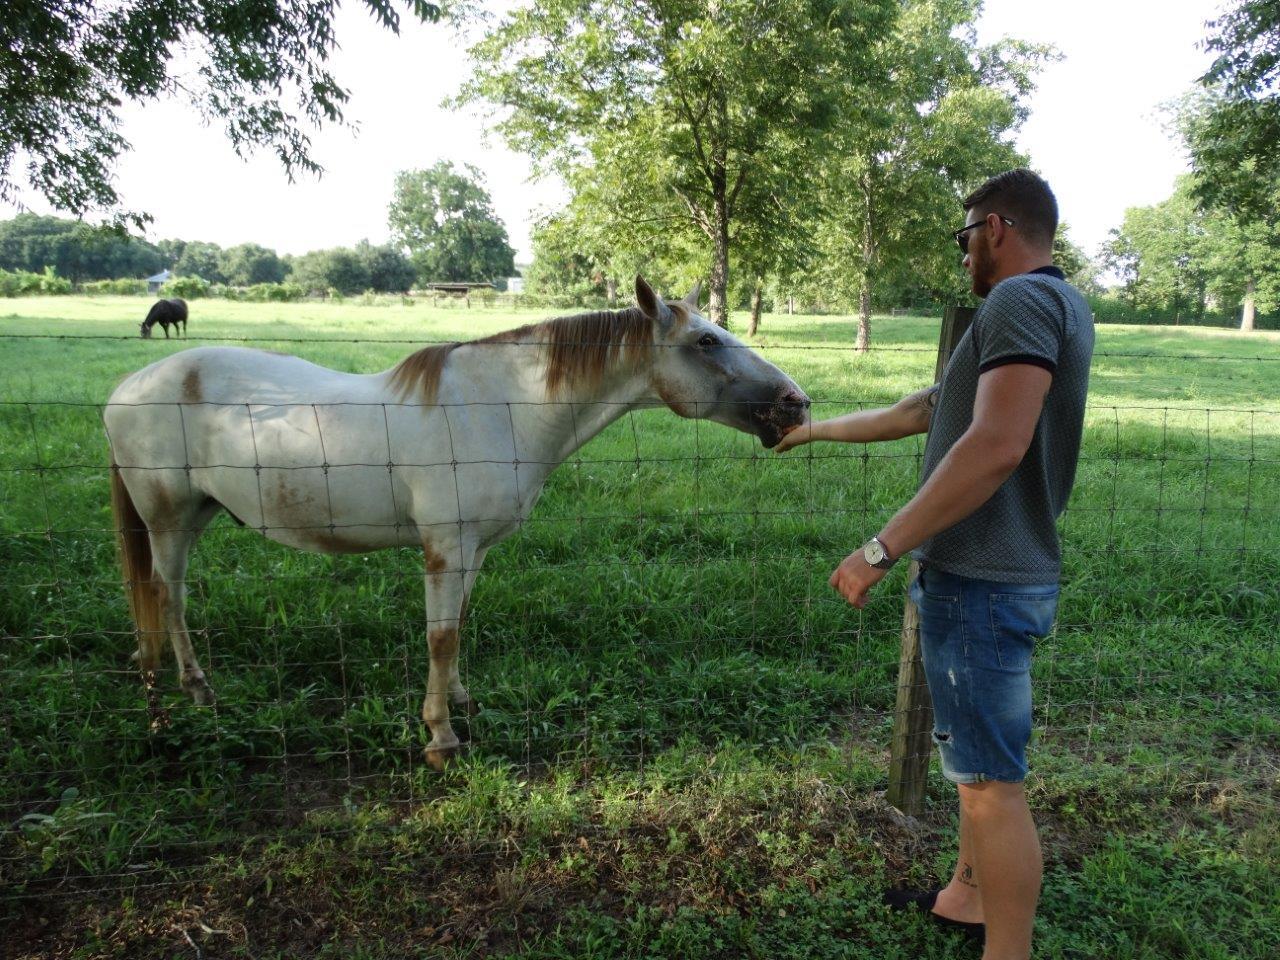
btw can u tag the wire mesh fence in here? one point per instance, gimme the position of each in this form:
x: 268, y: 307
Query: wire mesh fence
x: 669, y: 589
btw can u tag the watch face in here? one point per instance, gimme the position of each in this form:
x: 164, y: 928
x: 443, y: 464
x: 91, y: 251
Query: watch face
x: 873, y: 552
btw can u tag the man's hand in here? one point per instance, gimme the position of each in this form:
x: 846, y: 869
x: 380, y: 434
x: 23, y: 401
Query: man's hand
x: 854, y: 577
x: 796, y: 436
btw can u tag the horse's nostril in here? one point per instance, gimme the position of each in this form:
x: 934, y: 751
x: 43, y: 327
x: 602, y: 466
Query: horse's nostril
x: 796, y: 397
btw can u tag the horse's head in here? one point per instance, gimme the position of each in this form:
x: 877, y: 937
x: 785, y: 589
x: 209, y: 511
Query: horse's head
x: 702, y: 371
x: 144, y: 331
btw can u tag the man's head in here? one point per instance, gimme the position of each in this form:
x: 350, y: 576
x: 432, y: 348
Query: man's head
x: 1010, y: 222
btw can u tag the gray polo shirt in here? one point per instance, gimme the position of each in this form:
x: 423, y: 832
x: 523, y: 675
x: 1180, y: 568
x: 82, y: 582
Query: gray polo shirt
x: 1035, y: 318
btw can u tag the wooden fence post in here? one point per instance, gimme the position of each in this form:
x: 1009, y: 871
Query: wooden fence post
x: 913, y: 713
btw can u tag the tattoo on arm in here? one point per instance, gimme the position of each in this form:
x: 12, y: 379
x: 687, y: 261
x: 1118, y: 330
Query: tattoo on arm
x: 922, y: 404
x: 928, y: 399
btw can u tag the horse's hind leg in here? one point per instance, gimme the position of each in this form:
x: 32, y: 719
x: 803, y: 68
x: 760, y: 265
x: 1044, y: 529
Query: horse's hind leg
x: 170, y: 550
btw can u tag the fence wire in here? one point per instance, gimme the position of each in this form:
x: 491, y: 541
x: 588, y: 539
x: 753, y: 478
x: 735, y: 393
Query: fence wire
x: 669, y: 588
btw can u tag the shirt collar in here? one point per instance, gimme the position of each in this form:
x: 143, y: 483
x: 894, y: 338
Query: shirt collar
x: 1050, y: 271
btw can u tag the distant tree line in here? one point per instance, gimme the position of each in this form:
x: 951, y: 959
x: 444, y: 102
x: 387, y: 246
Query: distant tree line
x: 442, y: 219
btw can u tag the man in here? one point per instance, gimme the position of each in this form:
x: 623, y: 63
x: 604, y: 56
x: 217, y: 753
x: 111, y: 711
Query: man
x: 998, y: 468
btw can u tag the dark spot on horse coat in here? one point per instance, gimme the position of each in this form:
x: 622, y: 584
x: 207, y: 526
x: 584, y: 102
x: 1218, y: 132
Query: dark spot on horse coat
x: 436, y: 563
x: 191, y: 387
x: 443, y: 642
x: 162, y: 512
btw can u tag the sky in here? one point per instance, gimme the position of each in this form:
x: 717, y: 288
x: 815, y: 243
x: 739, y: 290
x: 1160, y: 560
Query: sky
x: 1095, y: 132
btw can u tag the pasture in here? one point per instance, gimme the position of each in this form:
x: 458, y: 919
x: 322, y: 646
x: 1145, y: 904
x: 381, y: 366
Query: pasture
x: 684, y: 731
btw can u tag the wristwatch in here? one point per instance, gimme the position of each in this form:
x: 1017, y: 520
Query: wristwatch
x: 876, y: 554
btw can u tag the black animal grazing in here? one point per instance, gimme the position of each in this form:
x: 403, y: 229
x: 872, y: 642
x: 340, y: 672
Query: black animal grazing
x: 166, y: 312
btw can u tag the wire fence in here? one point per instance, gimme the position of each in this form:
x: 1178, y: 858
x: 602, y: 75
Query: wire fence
x: 669, y: 589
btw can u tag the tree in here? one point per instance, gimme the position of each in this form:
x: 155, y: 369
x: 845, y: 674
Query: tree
x: 1177, y: 257
x: 75, y: 250
x: 389, y: 270
x: 340, y: 269
x: 200, y: 259
x: 671, y: 103
x: 68, y: 65
x: 445, y: 219
x: 936, y: 130
x: 1071, y: 259
x: 382, y: 269
x: 1233, y: 143
x: 1238, y: 192
x: 560, y: 268
x: 249, y: 263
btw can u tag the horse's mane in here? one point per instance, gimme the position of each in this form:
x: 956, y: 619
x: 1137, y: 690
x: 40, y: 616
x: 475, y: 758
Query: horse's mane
x: 578, y: 350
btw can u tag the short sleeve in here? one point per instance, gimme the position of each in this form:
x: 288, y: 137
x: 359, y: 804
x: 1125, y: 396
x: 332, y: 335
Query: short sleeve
x: 1021, y: 322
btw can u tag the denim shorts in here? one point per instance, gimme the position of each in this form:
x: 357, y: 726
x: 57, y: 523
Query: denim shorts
x: 976, y: 640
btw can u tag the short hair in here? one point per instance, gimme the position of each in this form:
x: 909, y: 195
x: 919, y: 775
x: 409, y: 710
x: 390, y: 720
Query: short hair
x: 1023, y: 197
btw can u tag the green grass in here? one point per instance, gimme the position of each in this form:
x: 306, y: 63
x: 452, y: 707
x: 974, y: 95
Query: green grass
x: 683, y: 735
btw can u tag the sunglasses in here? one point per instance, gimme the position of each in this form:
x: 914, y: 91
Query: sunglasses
x: 962, y: 235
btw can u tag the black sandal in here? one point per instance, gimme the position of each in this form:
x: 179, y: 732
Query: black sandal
x: 923, y: 901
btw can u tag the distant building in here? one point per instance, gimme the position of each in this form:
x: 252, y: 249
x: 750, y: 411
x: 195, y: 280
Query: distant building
x: 459, y: 289
x: 154, y: 283
x: 515, y: 284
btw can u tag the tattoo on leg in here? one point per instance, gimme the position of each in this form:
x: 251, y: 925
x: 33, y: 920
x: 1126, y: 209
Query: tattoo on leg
x: 966, y: 876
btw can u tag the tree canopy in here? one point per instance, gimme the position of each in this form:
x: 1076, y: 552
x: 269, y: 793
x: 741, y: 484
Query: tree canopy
x: 259, y: 68
x: 701, y: 115
x: 445, y: 219
x: 1234, y: 138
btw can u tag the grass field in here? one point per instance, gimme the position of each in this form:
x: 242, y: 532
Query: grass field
x: 683, y: 743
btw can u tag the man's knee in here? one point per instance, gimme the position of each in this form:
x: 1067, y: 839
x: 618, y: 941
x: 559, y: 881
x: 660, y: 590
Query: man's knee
x: 991, y: 798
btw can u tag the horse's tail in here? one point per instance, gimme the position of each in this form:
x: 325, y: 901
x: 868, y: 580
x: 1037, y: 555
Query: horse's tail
x: 140, y: 584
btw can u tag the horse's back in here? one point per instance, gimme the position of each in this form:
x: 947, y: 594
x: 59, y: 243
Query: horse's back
x: 298, y: 450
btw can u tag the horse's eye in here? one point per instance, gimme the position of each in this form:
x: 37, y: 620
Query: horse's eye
x: 708, y: 340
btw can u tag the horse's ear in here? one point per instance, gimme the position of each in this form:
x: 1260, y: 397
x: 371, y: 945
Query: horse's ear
x: 650, y: 303
x: 692, y: 299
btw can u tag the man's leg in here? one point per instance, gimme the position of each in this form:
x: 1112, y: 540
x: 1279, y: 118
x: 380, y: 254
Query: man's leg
x: 961, y: 899
x: 1004, y: 843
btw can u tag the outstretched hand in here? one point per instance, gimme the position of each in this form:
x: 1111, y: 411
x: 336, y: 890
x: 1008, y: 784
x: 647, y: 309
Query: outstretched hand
x: 795, y: 437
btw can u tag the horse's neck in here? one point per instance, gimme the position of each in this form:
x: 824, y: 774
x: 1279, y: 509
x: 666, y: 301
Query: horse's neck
x: 551, y: 428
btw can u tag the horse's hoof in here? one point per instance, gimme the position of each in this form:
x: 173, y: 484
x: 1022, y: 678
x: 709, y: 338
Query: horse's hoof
x: 472, y: 708
x: 439, y: 757
x: 198, y: 689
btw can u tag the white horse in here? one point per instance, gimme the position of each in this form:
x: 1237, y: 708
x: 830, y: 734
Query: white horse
x: 448, y: 450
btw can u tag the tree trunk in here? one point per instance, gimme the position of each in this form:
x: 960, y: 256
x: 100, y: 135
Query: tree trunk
x: 791, y: 305
x: 863, y: 343
x: 1246, y: 317
x: 610, y: 290
x: 756, y: 296
x: 719, y: 306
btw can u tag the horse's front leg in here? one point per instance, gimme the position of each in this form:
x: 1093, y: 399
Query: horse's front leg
x: 458, y: 695
x: 446, y: 583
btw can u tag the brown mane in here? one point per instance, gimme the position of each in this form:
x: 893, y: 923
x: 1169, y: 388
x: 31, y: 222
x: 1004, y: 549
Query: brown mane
x: 579, y: 350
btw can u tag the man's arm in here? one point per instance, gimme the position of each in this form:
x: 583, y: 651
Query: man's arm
x: 1005, y: 413
x: 907, y: 417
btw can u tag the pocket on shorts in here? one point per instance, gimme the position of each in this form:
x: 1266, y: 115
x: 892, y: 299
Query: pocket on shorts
x: 1018, y: 620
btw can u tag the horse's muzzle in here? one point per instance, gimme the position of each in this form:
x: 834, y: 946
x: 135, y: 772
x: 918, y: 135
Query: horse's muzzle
x: 773, y: 421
